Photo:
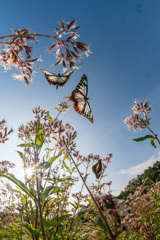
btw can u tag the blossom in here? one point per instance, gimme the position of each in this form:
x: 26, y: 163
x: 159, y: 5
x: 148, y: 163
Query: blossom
x: 136, y: 121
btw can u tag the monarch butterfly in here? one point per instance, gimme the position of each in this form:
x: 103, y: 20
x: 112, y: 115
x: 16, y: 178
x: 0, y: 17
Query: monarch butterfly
x: 97, y: 169
x: 57, y: 80
x: 79, y: 98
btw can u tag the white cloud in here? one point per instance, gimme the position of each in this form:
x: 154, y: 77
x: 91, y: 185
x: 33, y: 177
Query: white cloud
x: 139, y: 169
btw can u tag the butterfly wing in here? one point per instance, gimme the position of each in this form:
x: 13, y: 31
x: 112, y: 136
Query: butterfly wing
x: 79, y: 98
x: 97, y: 169
x: 83, y: 85
x: 87, y: 112
x: 57, y: 80
x: 62, y: 79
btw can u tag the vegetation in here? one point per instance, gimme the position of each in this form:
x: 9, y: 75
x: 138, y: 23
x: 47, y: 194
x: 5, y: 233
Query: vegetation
x: 150, y: 175
x: 46, y: 206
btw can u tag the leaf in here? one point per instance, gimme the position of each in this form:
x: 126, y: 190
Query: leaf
x: 24, y: 145
x: 74, y: 205
x: 50, y: 119
x: 142, y: 138
x: 58, y: 109
x: 64, y: 179
x: 18, y: 191
x: 104, y: 176
x: 73, y: 169
x: 65, y: 165
x: 30, y: 228
x: 101, y: 224
x: 23, y: 200
x: 55, y: 138
x: 66, y: 106
x: 153, y: 143
x: 21, y: 155
x: 52, y: 222
x: 89, y: 200
x: 143, y: 122
x: 56, y: 190
x: 39, y: 139
x: 46, y: 193
x: 52, y: 159
x: 85, y: 177
x: 30, y: 192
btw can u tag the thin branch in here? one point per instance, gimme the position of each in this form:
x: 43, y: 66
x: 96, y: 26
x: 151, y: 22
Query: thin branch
x: 101, y: 214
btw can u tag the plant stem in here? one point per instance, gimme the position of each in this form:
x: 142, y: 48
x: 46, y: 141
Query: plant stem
x: 155, y: 135
x: 101, y: 214
x: 39, y: 200
x: 27, y: 35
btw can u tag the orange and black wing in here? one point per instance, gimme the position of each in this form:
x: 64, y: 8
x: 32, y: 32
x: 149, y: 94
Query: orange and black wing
x: 79, y: 98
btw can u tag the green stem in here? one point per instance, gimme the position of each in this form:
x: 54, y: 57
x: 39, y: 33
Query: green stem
x: 39, y: 199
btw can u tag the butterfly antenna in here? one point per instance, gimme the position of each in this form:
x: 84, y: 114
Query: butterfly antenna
x: 37, y: 66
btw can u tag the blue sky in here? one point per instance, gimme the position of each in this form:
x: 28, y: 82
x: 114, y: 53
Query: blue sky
x: 123, y: 66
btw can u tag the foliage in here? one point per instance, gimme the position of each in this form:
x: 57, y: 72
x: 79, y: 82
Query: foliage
x: 136, y: 121
x: 141, y: 214
x: 150, y: 175
x: 45, y: 196
x: 46, y: 206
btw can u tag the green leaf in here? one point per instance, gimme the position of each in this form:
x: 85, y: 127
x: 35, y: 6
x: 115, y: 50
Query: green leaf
x: 18, y: 191
x: 73, y: 169
x: 39, y: 139
x: 101, y: 224
x: 104, y: 176
x: 52, y: 222
x: 31, y: 229
x: 23, y: 200
x: 89, y: 200
x: 65, y: 165
x: 56, y: 190
x: 63, y: 179
x: 30, y: 192
x: 55, y: 138
x: 85, y: 177
x: 52, y: 159
x: 143, y: 122
x: 64, y: 157
x: 46, y: 193
x: 50, y: 119
x: 58, y: 109
x: 66, y: 106
x: 24, y: 145
x: 142, y: 138
x: 153, y: 143
x: 21, y: 155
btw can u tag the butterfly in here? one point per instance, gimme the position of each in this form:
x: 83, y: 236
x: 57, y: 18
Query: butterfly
x: 57, y: 80
x: 97, y: 169
x: 79, y: 98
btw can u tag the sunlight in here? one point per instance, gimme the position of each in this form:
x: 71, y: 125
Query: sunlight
x: 29, y: 171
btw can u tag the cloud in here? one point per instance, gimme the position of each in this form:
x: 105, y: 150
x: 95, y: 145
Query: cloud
x: 139, y: 169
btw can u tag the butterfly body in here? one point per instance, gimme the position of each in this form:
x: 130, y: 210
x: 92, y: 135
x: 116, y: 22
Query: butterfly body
x: 80, y: 99
x: 57, y: 80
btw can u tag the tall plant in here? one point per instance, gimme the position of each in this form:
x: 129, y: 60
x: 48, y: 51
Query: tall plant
x: 50, y: 158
